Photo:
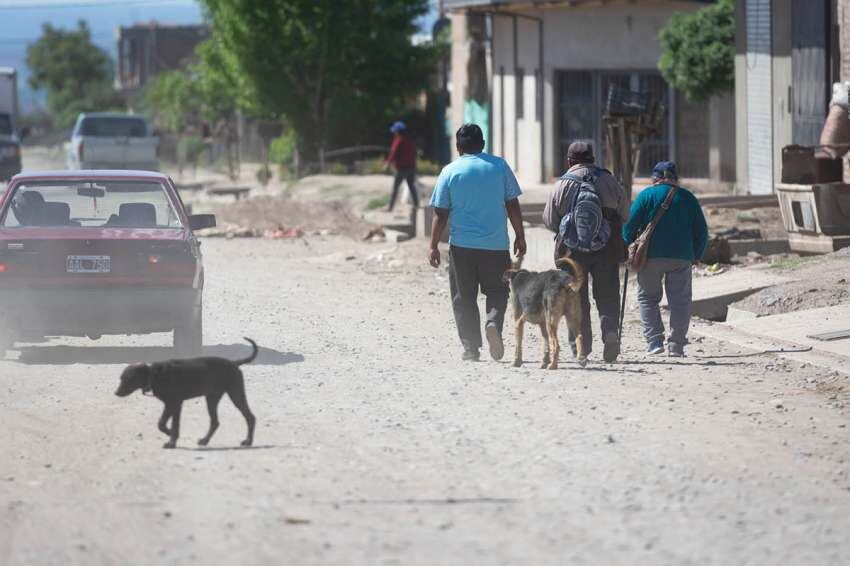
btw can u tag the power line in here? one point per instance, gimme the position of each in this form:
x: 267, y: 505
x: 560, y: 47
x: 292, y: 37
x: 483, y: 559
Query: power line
x: 89, y: 4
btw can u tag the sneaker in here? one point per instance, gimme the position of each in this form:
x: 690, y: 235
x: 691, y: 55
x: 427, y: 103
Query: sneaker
x: 655, y: 348
x: 675, y: 350
x: 471, y: 356
x: 611, y: 348
x: 494, y: 340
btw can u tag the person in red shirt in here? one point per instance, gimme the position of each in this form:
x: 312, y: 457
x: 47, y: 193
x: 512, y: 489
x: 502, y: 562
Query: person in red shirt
x: 403, y: 157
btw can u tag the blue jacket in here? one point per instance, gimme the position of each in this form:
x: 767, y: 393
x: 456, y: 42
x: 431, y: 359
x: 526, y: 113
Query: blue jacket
x: 682, y: 232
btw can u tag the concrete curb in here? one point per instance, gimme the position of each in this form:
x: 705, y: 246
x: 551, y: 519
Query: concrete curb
x: 725, y: 333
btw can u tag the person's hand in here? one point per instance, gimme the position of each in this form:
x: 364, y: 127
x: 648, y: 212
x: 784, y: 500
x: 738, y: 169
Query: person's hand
x: 434, y: 257
x: 519, y: 247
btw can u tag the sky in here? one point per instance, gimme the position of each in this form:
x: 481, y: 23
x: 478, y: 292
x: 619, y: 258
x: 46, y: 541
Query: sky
x: 21, y: 21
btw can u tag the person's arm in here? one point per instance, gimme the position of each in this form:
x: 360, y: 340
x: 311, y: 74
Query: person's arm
x: 700, y: 228
x: 512, y: 193
x: 441, y: 202
x: 619, y: 203
x: 393, y: 155
x: 554, y: 210
x: 438, y: 225
x: 637, y: 219
x: 515, y: 216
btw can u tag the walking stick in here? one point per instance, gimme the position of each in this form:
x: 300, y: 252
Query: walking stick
x: 623, y: 306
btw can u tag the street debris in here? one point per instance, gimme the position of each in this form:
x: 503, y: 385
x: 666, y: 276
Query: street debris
x: 230, y: 231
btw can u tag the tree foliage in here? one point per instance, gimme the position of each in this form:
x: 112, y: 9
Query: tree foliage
x: 202, y: 99
x: 76, y: 73
x: 698, y: 56
x: 333, y: 69
x: 172, y: 100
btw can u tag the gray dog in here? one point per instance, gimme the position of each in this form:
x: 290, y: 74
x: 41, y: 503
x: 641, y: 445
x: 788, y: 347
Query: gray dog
x: 174, y: 381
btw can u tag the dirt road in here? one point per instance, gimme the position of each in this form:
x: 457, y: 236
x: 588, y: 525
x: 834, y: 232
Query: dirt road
x: 376, y: 445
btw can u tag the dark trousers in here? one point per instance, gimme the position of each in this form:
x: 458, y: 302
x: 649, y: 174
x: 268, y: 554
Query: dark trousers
x: 408, y: 175
x: 469, y: 270
x: 604, y: 274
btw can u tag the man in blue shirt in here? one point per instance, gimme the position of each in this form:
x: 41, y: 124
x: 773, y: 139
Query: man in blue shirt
x: 679, y: 240
x: 479, y: 192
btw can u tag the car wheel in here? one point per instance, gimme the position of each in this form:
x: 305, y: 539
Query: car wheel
x: 189, y: 337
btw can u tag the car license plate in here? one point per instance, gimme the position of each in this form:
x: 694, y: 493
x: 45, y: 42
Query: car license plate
x: 89, y: 264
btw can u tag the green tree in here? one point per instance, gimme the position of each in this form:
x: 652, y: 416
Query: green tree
x: 698, y: 51
x: 76, y: 73
x: 202, y: 98
x: 330, y: 68
x: 221, y: 96
x: 172, y: 100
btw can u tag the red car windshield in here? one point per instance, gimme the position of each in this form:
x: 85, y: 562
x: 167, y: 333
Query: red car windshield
x: 90, y: 204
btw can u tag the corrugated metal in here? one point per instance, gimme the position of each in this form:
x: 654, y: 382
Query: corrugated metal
x: 809, y: 70
x: 759, y: 97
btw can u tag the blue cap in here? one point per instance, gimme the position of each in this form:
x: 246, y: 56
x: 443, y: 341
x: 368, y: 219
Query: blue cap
x: 398, y: 127
x: 664, y: 170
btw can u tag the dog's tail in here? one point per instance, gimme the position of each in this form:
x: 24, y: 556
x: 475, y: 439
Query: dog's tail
x: 578, y: 273
x: 250, y: 358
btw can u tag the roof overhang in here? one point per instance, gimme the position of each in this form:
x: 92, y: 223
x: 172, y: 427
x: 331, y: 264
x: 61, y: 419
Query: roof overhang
x: 539, y: 4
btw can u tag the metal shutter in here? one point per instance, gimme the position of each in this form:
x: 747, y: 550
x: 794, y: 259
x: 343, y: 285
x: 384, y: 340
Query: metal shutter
x: 759, y: 97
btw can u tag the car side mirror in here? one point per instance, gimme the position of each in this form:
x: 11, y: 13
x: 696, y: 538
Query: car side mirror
x: 201, y: 221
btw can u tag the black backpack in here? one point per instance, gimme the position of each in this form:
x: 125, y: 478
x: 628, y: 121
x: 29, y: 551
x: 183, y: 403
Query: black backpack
x: 584, y: 228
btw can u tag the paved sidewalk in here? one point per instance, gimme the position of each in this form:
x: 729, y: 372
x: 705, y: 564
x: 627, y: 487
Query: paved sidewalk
x: 790, y: 331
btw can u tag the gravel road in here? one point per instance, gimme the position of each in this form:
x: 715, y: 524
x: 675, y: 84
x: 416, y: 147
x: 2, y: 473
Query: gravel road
x: 376, y: 445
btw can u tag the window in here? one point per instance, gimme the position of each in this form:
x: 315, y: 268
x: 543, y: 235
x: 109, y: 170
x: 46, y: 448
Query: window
x: 113, y: 127
x: 92, y: 204
x: 582, y: 97
x: 520, y: 93
x: 5, y: 125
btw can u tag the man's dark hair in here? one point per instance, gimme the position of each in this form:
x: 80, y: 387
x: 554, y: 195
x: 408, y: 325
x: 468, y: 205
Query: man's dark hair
x: 470, y: 139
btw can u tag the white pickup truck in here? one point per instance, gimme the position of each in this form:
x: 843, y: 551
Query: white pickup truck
x: 103, y: 140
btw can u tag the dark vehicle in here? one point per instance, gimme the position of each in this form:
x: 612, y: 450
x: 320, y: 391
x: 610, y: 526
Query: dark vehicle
x: 10, y: 148
x: 87, y: 253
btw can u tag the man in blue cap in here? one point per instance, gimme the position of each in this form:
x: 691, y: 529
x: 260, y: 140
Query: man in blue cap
x: 679, y: 240
x: 403, y: 157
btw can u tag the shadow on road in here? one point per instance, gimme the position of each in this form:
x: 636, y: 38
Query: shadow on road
x: 63, y: 355
x: 226, y: 448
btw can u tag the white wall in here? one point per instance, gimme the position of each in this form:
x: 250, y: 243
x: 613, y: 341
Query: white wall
x: 615, y: 37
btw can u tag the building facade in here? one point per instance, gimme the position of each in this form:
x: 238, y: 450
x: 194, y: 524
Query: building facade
x: 788, y: 54
x: 536, y: 75
x: 144, y: 50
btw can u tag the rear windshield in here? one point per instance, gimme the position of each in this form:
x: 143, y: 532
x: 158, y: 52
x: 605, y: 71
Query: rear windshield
x: 5, y: 125
x: 113, y: 127
x: 95, y: 204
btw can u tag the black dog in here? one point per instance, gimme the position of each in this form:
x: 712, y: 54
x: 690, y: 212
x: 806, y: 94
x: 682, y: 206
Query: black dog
x: 174, y: 381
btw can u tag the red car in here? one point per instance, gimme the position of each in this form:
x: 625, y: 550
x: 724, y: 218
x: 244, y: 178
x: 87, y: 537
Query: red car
x: 87, y: 253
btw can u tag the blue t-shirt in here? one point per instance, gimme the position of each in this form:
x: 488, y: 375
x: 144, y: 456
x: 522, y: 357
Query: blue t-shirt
x: 475, y: 188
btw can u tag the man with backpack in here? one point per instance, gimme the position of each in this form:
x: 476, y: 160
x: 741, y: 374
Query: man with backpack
x: 678, y: 238
x: 586, y: 210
